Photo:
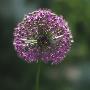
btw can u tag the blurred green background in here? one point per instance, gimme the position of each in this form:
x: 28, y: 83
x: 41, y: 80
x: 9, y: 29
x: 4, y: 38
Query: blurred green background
x: 72, y: 74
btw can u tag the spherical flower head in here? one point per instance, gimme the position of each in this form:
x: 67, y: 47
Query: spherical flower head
x: 42, y: 35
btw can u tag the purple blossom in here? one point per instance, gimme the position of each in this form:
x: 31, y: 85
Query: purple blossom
x: 42, y: 35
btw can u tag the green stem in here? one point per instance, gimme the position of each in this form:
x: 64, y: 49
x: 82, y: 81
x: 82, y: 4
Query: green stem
x: 37, y: 77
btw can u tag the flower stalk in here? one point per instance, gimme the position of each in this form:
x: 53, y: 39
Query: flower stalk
x: 37, y: 77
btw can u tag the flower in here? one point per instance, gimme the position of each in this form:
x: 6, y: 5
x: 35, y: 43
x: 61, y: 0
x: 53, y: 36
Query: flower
x: 42, y: 35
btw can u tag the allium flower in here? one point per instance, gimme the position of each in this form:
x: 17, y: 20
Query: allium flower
x: 42, y: 35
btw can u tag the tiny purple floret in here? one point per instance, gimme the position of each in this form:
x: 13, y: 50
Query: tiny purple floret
x: 42, y: 35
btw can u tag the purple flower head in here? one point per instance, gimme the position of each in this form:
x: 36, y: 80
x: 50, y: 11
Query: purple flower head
x: 42, y: 35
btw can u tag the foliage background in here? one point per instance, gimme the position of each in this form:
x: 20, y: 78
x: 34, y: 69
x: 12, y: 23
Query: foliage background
x: 72, y: 74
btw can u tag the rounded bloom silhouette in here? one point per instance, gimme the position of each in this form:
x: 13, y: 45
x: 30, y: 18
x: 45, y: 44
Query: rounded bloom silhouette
x: 42, y: 35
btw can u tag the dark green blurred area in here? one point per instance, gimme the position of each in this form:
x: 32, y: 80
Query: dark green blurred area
x: 72, y: 74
